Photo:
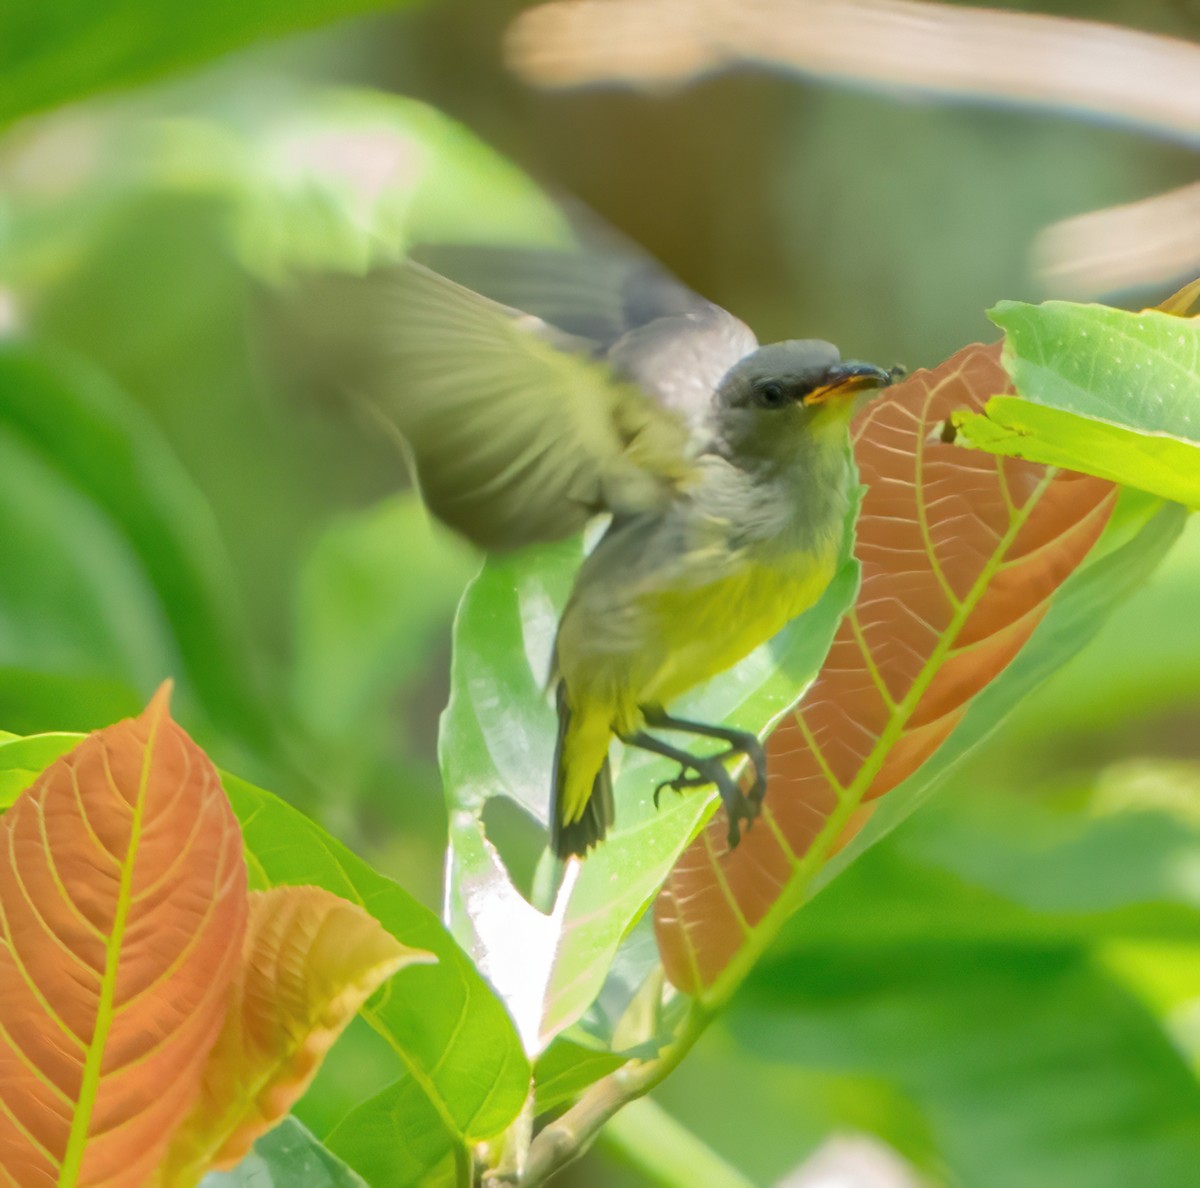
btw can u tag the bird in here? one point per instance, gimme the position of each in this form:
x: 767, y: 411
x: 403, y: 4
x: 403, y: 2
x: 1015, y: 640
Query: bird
x: 538, y: 388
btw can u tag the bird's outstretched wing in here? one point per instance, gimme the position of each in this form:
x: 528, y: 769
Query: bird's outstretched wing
x: 653, y: 330
x: 517, y: 432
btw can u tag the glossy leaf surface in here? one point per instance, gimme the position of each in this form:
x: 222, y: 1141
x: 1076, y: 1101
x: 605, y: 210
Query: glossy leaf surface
x: 446, y: 1026
x: 1102, y: 391
x: 123, y: 895
x: 498, y: 740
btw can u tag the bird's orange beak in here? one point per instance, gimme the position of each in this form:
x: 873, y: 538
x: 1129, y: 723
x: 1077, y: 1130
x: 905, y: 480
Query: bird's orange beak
x: 850, y: 378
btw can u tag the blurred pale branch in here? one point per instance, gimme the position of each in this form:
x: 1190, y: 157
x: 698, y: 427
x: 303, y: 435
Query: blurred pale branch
x: 1141, y: 80
x: 1136, y: 78
x: 1123, y: 246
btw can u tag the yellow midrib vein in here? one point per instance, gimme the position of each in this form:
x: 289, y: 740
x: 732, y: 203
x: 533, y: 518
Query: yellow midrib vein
x: 793, y: 891
x: 90, y: 1084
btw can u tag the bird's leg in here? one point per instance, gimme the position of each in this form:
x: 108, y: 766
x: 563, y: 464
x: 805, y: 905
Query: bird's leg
x: 709, y: 770
x: 741, y: 742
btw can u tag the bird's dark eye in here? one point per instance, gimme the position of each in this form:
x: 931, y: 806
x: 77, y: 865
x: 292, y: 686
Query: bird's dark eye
x: 770, y: 394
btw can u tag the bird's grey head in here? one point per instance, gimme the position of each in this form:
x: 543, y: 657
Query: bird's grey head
x: 789, y: 396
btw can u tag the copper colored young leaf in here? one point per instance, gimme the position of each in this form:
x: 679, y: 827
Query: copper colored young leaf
x: 961, y: 553
x: 1183, y: 303
x: 311, y: 959
x: 123, y: 901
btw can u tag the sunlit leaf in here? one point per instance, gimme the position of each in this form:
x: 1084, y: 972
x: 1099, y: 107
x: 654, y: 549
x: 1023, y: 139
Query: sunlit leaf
x: 470, y: 1075
x: 497, y: 739
x: 310, y: 961
x: 566, y: 1068
x: 123, y: 897
x: 287, y: 1157
x: 337, y: 180
x: 1102, y: 391
x: 22, y: 760
x: 961, y: 555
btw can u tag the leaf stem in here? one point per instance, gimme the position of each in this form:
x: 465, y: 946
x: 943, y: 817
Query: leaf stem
x: 568, y: 1137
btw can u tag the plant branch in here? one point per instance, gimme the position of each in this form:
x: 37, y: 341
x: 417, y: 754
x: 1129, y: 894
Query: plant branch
x: 568, y: 1137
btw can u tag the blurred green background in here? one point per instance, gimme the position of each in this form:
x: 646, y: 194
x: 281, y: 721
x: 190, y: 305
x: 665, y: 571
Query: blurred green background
x: 1004, y: 992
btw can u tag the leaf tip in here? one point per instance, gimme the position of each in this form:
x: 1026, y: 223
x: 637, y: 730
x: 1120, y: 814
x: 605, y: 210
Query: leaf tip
x: 1182, y: 304
x: 159, y: 705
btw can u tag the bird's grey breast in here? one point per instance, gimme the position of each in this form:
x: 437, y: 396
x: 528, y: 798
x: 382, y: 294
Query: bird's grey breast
x: 760, y: 514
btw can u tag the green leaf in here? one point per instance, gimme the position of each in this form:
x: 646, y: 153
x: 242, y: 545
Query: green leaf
x: 448, y: 1030
x: 566, y: 1068
x: 373, y: 596
x: 984, y: 994
x: 963, y: 555
x: 111, y: 495
x: 23, y: 759
x: 1102, y: 391
x: 395, y: 1139
x: 995, y: 892
x: 1033, y: 1067
x: 340, y: 179
x: 61, y: 50
x: 287, y: 1157
x: 497, y: 739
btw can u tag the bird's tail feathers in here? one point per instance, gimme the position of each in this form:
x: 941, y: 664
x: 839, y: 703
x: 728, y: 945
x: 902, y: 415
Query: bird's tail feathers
x: 578, y: 836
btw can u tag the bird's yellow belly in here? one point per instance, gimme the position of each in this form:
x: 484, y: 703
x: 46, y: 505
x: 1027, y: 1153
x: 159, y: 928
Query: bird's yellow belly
x: 699, y: 632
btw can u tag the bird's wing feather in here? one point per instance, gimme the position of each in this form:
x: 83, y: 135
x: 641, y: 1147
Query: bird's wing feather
x: 681, y: 359
x: 653, y: 329
x: 517, y: 435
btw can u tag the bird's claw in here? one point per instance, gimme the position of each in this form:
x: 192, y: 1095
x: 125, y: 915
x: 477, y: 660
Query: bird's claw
x: 672, y: 784
x: 679, y: 783
x: 743, y: 809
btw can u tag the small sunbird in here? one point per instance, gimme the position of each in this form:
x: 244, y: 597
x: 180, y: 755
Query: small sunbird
x: 587, y: 383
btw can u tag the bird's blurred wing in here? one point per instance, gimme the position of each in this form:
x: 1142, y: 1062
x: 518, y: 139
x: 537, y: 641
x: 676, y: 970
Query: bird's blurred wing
x: 681, y: 359
x: 651, y: 327
x: 517, y: 435
x: 594, y: 289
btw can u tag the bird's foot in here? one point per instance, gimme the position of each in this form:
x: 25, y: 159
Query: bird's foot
x: 739, y: 806
x: 680, y: 783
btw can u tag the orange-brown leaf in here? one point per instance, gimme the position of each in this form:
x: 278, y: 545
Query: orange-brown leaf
x: 123, y: 901
x: 961, y: 552
x: 1183, y: 302
x: 311, y: 960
